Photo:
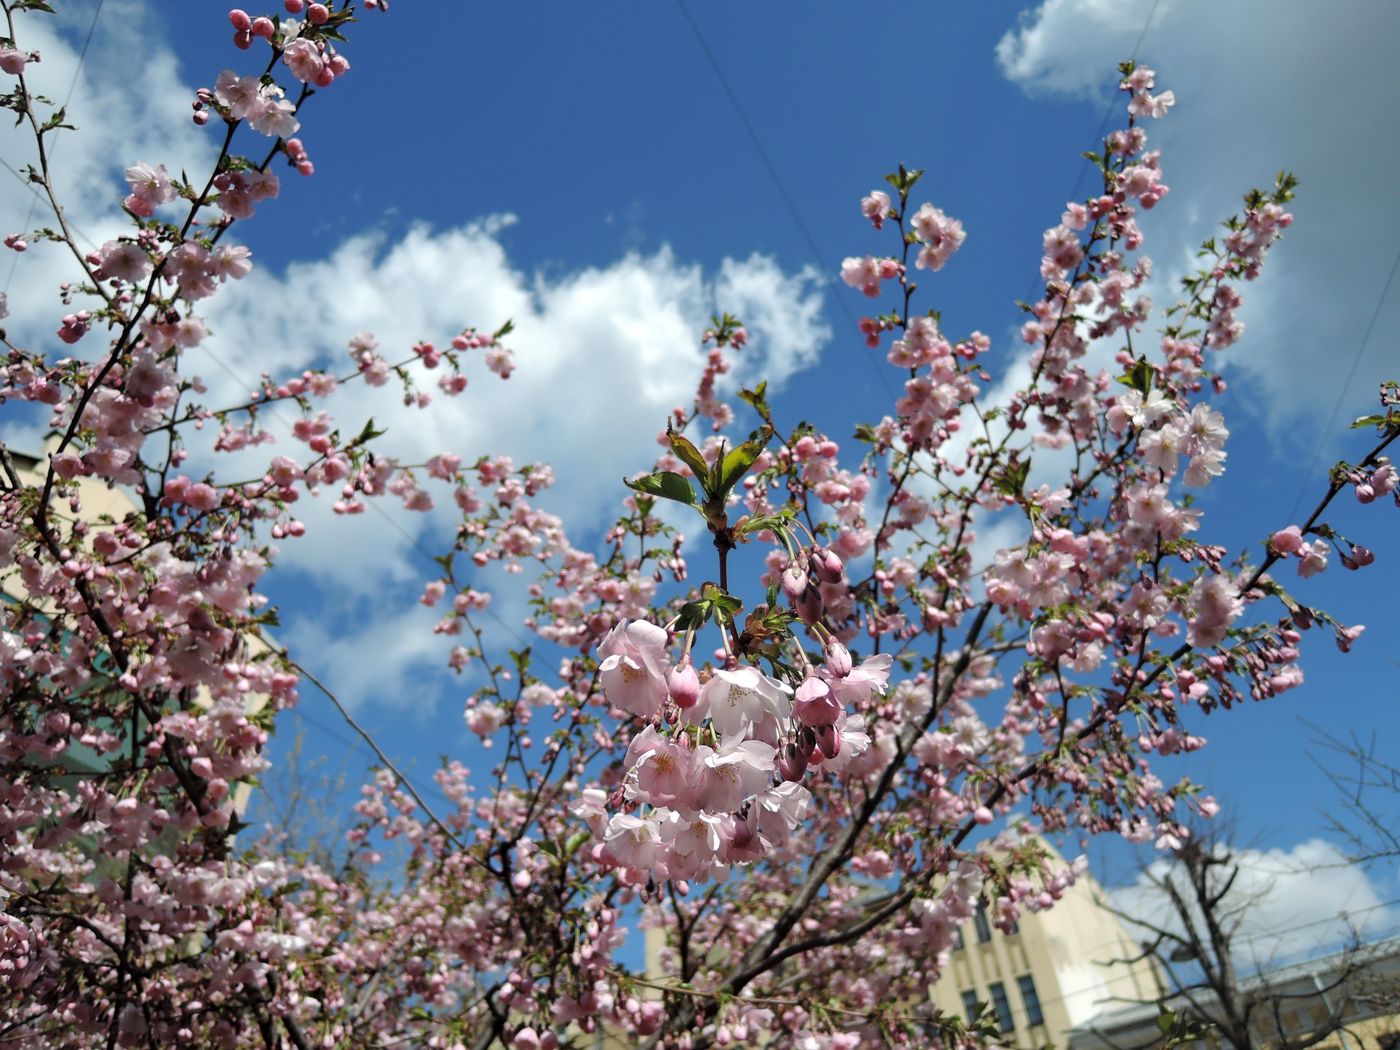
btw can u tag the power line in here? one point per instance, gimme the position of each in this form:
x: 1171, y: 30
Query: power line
x: 72, y: 85
x: 1342, y: 393
x: 817, y: 254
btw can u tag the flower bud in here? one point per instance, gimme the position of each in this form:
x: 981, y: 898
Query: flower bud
x: 828, y: 740
x: 684, y: 685
x: 838, y: 658
x: 814, y: 704
x: 828, y: 565
x: 792, y: 762
x: 238, y: 18
x: 795, y: 579
x: 808, y: 606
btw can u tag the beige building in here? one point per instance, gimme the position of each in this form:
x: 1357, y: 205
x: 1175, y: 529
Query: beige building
x: 1058, y: 969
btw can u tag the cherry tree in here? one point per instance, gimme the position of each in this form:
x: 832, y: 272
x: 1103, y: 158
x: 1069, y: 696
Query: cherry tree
x: 798, y: 753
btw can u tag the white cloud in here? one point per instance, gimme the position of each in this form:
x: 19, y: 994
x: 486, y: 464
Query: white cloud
x: 1287, y: 902
x: 603, y: 354
x: 1259, y: 90
x: 121, y: 119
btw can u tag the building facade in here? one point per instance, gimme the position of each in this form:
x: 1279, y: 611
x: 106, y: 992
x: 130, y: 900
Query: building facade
x: 1057, y: 969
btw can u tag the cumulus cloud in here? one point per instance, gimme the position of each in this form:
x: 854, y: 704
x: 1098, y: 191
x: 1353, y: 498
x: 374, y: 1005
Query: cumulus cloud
x: 603, y: 355
x: 1259, y: 91
x: 1285, y: 902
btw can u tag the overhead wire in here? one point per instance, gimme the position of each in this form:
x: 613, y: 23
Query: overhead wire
x: 1307, y: 475
x: 67, y: 100
x: 817, y: 254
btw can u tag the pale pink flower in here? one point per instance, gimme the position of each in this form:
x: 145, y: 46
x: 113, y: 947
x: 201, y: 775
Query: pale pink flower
x: 633, y: 842
x: 870, y: 677
x: 237, y: 94
x: 634, y: 665
x: 734, y: 700
x: 875, y: 207
x: 725, y: 776
x: 123, y: 261
x: 661, y: 771
x: 304, y: 59
x: 1313, y: 558
x: 941, y: 236
x: 232, y: 262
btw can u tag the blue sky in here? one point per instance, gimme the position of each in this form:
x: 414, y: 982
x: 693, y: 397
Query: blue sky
x: 583, y: 169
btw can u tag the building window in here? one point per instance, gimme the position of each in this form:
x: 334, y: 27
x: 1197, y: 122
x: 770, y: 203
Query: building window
x: 1034, y: 1016
x: 970, y: 1005
x: 958, y: 942
x: 984, y: 928
x: 1002, y: 1005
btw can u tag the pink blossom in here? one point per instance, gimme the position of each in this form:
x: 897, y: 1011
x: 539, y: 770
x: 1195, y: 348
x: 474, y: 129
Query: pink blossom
x: 634, y: 665
x: 941, y: 237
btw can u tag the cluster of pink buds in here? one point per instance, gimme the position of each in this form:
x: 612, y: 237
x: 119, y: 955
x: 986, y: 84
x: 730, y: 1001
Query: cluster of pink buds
x: 74, y: 326
x: 246, y: 28
x: 296, y: 153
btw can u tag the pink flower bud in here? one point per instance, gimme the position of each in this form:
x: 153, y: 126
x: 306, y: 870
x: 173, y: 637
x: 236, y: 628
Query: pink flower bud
x: 263, y: 27
x: 792, y: 762
x: 814, y: 704
x: 828, y: 740
x: 684, y: 685
x: 1362, y: 555
x: 243, y: 40
x: 808, y: 606
x: 295, y: 7
x: 794, y: 579
x: 838, y: 658
x: 828, y: 565
x: 238, y: 18
x: 317, y: 14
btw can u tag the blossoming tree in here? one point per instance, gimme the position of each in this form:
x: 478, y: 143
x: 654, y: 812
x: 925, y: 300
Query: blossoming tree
x: 801, y: 765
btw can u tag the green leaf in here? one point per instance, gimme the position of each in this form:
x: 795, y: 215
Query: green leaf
x: 369, y: 433
x: 664, y: 483
x: 737, y: 462
x: 757, y: 397
x: 688, y: 454
x: 1139, y: 377
x: 1013, y: 480
x: 1369, y: 421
